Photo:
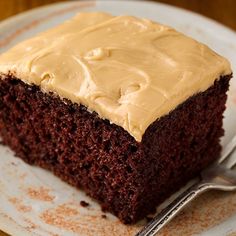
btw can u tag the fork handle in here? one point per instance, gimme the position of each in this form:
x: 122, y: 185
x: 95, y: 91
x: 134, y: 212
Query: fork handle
x: 172, y: 209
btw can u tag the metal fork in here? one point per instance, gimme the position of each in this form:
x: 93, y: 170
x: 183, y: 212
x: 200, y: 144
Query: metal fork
x: 218, y: 176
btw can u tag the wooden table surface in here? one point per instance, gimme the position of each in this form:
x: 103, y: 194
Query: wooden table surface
x: 223, y: 11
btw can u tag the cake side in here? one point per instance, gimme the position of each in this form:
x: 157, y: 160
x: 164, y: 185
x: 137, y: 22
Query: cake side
x: 128, y: 70
x: 127, y: 177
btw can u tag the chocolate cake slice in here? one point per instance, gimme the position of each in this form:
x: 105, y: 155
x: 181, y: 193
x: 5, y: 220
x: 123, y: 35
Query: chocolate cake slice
x: 126, y: 109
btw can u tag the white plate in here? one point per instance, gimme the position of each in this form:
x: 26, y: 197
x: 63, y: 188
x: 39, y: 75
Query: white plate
x: 34, y: 202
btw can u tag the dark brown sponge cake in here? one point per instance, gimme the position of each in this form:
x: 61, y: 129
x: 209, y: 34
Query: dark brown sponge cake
x: 127, y: 177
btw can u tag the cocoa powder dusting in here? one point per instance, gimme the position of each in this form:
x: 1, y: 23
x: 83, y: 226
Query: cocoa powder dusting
x: 19, y: 205
x: 41, y: 194
x: 31, y: 225
x: 207, y: 211
x: 68, y: 218
x: 66, y: 210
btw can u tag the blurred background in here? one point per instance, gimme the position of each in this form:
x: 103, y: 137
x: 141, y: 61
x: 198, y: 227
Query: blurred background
x: 223, y: 11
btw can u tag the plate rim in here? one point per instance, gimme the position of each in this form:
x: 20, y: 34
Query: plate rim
x: 33, y: 11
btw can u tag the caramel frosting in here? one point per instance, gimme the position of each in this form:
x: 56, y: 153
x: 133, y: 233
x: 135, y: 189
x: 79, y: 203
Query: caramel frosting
x: 130, y: 71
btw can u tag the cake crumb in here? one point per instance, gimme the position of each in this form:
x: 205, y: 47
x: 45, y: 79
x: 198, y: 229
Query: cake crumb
x: 84, y: 204
x: 148, y: 218
x: 104, y: 216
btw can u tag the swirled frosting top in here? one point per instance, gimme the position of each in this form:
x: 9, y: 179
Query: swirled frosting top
x: 130, y: 71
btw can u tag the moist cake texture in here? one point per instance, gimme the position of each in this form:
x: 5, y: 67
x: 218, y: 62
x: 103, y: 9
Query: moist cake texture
x: 127, y: 109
